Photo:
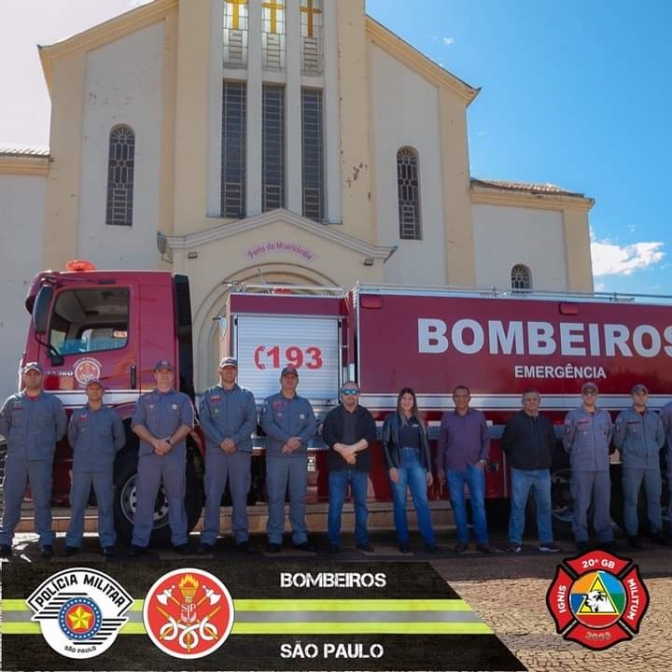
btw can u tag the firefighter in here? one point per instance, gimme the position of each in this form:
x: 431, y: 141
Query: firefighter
x: 162, y: 420
x: 349, y: 430
x: 32, y: 421
x: 586, y: 438
x: 289, y: 423
x: 228, y: 416
x: 529, y: 442
x: 639, y: 435
x: 462, y: 455
x: 96, y: 434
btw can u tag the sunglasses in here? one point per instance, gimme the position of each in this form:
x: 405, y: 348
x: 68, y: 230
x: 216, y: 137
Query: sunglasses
x: 589, y: 393
x: 350, y: 391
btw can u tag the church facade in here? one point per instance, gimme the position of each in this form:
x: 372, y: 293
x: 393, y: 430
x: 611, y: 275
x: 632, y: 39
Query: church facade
x: 268, y: 142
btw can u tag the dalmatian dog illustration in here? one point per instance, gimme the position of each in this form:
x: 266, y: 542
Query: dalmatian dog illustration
x: 597, y: 602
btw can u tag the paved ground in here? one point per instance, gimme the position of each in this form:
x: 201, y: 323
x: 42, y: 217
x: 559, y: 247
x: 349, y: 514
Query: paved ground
x: 508, y: 592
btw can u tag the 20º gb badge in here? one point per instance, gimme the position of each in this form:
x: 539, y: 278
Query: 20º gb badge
x: 80, y: 611
x: 188, y: 613
x: 597, y: 599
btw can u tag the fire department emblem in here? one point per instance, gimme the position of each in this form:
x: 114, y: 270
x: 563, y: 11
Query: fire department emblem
x: 80, y: 611
x: 86, y: 369
x: 597, y: 600
x: 188, y: 613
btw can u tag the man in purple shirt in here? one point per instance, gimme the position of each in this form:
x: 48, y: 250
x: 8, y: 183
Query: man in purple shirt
x: 464, y: 444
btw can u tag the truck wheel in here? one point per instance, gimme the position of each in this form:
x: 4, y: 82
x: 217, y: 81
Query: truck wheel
x: 125, y: 502
x: 562, y: 505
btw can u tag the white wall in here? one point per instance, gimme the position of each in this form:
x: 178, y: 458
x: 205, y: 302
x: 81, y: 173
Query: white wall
x: 22, y: 213
x: 506, y: 236
x: 406, y: 113
x: 124, y: 82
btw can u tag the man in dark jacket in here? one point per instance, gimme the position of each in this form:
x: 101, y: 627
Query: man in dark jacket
x: 528, y: 441
x: 349, y: 430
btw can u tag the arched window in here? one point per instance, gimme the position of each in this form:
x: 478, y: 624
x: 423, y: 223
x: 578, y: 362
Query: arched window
x: 408, y: 186
x: 521, y: 278
x: 120, y: 171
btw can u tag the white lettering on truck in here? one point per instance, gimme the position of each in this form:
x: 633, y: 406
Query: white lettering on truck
x: 569, y: 339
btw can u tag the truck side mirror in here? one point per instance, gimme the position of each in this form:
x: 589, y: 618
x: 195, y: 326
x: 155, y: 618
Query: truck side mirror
x: 41, y: 309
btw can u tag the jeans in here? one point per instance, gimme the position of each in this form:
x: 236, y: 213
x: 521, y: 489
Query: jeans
x: 338, y: 482
x: 412, y: 475
x: 522, y: 481
x: 475, y: 479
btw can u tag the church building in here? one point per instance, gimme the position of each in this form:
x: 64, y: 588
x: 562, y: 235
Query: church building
x: 270, y: 142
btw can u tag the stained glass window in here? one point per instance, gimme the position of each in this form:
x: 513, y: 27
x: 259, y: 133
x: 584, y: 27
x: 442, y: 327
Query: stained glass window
x: 521, y: 278
x: 235, y: 33
x: 273, y: 148
x: 120, y: 173
x: 313, y: 154
x: 408, y: 185
x: 273, y: 36
x: 234, y: 104
x: 311, y: 37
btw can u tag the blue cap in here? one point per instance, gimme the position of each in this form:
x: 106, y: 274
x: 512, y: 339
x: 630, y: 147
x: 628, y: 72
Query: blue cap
x: 163, y: 364
x: 95, y: 381
x: 289, y: 371
x: 32, y: 366
x: 228, y: 361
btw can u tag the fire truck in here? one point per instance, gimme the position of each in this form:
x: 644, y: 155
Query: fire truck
x: 115, y: 325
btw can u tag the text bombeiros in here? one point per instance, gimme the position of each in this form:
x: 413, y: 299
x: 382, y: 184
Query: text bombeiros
x: 332, y: 580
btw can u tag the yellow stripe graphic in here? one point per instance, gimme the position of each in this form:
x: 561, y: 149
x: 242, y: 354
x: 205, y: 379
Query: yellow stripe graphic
x: 14, y: 626
x: 309, y: 605
x: 361, y: 629
x: 302, y: 629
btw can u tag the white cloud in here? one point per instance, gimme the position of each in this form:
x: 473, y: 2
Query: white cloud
x: 448, y: 41
x: 610, y: 259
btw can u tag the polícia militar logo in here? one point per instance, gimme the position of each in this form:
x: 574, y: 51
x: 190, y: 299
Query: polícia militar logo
x: 597, y: 599
x: 80, y: 611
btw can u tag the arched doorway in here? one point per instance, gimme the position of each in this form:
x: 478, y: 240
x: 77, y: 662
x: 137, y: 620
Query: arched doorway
x: 212, y: 307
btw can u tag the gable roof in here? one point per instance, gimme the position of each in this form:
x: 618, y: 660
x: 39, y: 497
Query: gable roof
x: 104, y: 33
x: 417, y: 61
x: 325, y: 231
x: 145, y: 15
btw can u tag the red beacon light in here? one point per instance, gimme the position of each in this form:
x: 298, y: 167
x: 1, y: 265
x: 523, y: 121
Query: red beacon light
x: 77, y: 265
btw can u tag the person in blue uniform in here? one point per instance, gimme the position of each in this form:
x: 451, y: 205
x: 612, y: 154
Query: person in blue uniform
x: 32, y: 421
x: 586, y: 438
x: 162, y: 420
x: 96, y: 434
x: 228, y: 416
x: 289, y: 423
x: 639, y: 434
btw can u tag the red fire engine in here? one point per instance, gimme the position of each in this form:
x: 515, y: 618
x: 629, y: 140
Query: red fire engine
x: 116, y: 324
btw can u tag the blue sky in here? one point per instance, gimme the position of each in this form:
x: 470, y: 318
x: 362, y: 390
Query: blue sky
x: 574, y: 93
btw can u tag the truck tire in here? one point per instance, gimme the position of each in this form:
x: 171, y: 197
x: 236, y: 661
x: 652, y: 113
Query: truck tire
x: 562, y: 502
x: 562, y: 505
x: 125, y: 502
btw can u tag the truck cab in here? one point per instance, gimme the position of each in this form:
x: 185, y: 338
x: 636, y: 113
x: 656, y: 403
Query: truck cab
x: 112, y: 325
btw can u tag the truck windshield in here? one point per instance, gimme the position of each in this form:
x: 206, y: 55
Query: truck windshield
x: 89, y: 320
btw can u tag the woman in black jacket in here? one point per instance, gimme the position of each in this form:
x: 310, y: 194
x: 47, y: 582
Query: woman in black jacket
x: 409, y: 466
